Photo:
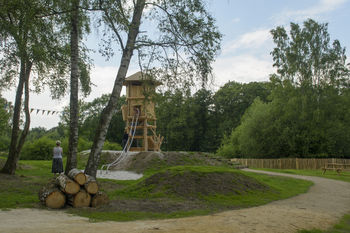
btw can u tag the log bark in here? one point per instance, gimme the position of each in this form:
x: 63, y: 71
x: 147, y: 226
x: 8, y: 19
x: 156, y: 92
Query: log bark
x: 67, y: 185
x: 81, y: 199
x: 91, y: 185
x: 99, y: 199
x: 77, y: 175
x: 51, y: 196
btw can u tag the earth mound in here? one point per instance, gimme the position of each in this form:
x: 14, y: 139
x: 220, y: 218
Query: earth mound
x: 191, y: 184
x: 142, y: 161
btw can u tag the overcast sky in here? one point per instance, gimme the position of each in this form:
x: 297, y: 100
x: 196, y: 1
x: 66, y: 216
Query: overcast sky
x: 246, y: 45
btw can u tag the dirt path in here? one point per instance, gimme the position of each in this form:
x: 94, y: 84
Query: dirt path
x: 326, y: 202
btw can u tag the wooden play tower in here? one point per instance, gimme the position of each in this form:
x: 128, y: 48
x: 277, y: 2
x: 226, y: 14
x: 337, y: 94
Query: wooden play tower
x: 139, y: 89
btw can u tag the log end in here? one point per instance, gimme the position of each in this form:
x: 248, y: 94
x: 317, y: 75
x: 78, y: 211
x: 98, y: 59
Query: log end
x: 55, y: 200
x: 92, y: 187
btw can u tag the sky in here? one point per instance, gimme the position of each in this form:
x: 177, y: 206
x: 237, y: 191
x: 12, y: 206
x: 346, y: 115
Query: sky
x: 245, y: 49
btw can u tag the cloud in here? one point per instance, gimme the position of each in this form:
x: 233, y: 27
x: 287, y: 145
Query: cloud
x: 243, y: 68
x: 322, y: 7
x: 250, y: 40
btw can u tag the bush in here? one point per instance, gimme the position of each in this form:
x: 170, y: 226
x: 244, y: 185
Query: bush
x: 40, y: 149
x: 4, y: 143
x: 111, y: 146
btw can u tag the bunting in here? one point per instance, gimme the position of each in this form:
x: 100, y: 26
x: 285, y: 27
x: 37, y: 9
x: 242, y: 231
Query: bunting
x: 37, y: 110
x: 43, y: 111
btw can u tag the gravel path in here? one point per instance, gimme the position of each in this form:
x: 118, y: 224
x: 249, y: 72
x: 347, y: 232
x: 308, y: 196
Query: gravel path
x: 325, y: 203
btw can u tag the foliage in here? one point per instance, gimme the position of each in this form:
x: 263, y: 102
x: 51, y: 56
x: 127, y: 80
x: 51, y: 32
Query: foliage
x: 40, y: 149
x: 112, y: 146
x: 308, y: 110
x: 89, y: 116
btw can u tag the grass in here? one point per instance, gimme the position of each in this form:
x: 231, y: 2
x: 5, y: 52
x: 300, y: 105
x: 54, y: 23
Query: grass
x: 281, y: 188
x: 342, y: 227
x: 343, y: 176
x: 21, y: 191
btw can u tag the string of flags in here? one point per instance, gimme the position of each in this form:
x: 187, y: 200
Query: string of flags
x: 43, y: 111
x: 38, y: 111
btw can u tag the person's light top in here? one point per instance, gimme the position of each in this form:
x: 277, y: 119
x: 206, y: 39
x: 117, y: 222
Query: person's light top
x: 57, y: 152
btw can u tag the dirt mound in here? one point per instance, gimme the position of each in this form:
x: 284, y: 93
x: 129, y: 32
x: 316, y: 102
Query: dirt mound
x: 142, y: 161
x: 192, y: 184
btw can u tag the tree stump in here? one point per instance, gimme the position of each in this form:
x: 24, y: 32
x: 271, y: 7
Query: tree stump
x: 51, y: 196
x: 77, y: 175
x: 91, y: 185
x: 67, y: 185
x: 99, y: 199
x: 81, y: 199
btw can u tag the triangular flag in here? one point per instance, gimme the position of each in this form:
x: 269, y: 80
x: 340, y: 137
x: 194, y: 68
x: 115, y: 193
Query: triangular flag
x: 31, y: 110
x: 53, y: 112
x: 48, y: 112
x: 42, y: 112
x: 37, y: 111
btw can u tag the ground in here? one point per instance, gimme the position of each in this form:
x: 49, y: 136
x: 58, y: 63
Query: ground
x: 321, y: 207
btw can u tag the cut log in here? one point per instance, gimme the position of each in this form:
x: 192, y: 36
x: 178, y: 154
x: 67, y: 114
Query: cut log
x: 91, y: 185
x: 51, y: 196
x: 99, y: 199
x: 77, y: 175
x: 67, y: 185
x: 81, y: 199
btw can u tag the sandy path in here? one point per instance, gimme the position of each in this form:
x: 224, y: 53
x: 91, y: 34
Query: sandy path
x: 326, y: 202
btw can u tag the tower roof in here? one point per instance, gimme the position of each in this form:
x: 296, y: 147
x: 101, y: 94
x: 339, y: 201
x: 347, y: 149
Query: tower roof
x: 140, y: 77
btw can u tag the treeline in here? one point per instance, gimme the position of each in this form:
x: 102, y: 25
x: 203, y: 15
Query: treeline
x: 308, y: 111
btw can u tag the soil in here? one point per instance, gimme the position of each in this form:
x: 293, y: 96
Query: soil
x: 321, y: 207
x: 139, y: 162
x: 188, y: 187
x: 188, y: 184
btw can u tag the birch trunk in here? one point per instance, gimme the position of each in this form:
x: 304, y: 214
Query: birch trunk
x: 107, y: 113
x: 74, y: 88
x: 17, y: 140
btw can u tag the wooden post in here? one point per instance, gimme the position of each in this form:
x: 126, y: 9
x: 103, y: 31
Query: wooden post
x: 297, y: 163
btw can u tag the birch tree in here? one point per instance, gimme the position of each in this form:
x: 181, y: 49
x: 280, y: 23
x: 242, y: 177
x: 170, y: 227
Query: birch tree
x: 179, y: 36
x: 29, y: 42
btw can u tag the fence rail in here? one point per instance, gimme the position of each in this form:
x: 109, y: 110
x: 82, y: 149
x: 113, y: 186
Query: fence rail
x: 290, y: 163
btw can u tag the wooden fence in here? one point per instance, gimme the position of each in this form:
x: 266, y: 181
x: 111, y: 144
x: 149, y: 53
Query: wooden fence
x: 289, y: 163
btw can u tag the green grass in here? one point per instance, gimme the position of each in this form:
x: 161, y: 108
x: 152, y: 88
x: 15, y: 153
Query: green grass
x: 281, y: 188
x: 342, y: 227
x: 343, y: 176
x: 22, y: 189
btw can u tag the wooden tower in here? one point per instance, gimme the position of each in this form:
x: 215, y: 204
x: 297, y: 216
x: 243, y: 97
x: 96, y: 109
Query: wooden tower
x: 139, y: 88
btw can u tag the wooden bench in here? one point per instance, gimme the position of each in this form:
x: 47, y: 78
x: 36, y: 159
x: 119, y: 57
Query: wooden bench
x: 339, y: 167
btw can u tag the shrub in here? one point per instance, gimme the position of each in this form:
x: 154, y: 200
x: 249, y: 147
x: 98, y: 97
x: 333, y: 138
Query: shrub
x: 111, y: 146
x: 40, y: 149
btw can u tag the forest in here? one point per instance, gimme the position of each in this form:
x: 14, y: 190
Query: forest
x: 302, y: 111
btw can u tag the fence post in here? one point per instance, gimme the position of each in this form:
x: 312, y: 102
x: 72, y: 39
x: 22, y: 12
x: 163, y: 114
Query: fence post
x: 296, y: 163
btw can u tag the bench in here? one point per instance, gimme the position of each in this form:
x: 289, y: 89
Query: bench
x: 339, y: 167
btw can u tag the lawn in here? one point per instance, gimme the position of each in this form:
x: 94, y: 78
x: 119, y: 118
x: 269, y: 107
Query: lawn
x: 343, y: 176
x: 160, y: 193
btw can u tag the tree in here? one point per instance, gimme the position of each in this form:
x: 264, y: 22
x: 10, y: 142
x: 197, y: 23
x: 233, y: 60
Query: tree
x: 308, y: 112
x: 232, y: 100
x: 183, y: 28
x: 30, y: 41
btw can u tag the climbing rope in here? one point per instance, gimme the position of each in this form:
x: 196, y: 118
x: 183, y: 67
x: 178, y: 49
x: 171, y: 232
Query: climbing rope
x: 127, y: 146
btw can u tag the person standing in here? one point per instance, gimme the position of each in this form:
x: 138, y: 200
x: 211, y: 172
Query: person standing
x: 57, y: 164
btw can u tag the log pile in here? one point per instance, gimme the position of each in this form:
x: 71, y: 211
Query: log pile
x: 77, y: 189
